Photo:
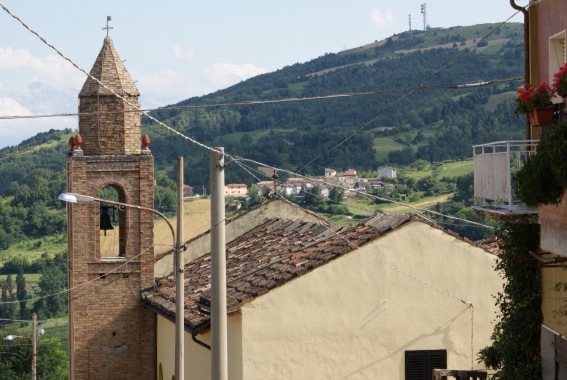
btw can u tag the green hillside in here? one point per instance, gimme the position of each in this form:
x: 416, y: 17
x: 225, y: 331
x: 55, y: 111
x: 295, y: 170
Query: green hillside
x: 434, y: 125
x: 428, y: 124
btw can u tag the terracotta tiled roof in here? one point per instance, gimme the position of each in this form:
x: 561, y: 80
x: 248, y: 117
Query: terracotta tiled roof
x: 109, y: 69
x: 264, y: 258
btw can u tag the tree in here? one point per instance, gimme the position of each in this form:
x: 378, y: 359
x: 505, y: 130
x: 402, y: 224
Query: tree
x: 336, y: 194
x: 15, y: 361
x: 7, y: 297
x: 515, y: 348
x: 165, y: 195
x: 313, y: 198
x: 53, y: 301
x: 21, y: 292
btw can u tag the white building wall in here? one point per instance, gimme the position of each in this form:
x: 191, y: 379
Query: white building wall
x: 198, y: 358
x: 356, y: 316
x: 387, y: 172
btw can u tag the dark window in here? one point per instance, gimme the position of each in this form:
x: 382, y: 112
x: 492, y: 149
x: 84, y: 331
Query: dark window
x: 420, y: 364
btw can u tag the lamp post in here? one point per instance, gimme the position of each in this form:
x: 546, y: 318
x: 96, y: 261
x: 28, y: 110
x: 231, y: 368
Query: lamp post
x: 36, y: 333
x: 178, y: 265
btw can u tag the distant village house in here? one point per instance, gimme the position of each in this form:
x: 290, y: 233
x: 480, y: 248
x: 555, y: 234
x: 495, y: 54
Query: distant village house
x: 235, y: 190
x: 386, y: 171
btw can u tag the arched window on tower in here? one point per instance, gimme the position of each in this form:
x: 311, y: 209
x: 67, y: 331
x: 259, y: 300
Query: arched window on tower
x: 112, y: 223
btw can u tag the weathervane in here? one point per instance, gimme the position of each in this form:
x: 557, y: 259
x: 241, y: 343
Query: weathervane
x: 107, y: 28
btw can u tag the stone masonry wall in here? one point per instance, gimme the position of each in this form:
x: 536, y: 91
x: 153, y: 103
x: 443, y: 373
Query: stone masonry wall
x: 112, y: 336
x: 110, y: 133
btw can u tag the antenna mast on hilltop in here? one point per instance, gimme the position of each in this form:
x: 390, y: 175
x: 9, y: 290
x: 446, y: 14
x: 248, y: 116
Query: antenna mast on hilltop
x: 409, y: 19
x: 424, y: 13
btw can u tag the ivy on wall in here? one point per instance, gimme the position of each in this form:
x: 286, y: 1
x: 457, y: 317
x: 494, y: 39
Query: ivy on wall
x: 543, y: 178
x: 515, y: 348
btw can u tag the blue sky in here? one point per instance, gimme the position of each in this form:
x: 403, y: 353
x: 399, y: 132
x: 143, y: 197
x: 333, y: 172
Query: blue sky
x: 178, y: 49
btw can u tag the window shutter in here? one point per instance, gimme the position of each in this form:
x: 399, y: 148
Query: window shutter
x: 420, y: 364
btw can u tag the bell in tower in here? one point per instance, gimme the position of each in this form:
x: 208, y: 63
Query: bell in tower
x: 105, y: 218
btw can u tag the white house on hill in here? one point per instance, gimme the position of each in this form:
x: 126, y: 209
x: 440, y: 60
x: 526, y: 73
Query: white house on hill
x: 386, y: 171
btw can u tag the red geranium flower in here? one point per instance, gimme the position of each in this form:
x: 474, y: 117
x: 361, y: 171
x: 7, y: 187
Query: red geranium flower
x: 560, y: 81
x: 532, y: 96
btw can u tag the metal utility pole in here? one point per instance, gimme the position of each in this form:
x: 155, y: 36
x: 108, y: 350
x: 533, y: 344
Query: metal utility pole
x: 219, y: 358
x: 34, y: 347
x: 424, y: 13
x: 179, y: 280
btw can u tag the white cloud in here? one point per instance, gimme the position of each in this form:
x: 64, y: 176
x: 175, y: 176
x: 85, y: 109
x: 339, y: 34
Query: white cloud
x: 180, y: 52
x: 15, y: 131
x: 18, y: 67
x: 9, y: 107
x: 33, y: 85
x: 222, y: 75
x: 381, y: 18
x: 166, y: 84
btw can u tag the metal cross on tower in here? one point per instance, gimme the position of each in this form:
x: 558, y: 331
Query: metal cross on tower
x: 107, y: 28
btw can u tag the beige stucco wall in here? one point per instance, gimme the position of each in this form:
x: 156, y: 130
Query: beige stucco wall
x: 197, y: 357
x: 355, y: 317
x: 236, y: 228
x: 554, y: 302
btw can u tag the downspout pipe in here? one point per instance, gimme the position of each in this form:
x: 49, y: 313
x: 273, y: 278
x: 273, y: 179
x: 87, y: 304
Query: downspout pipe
x: 526, y: 54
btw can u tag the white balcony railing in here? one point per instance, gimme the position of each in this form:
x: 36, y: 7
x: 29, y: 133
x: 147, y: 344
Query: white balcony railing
x: 494, y: 167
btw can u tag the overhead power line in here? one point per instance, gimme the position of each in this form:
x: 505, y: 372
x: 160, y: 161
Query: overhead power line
x: 274, y: 101
x: 407, y: 94
x: 235, y: 157
x: 318, y: 180
x: 137, y: 109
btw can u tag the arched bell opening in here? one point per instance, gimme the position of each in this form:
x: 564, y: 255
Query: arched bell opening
x: 112, y: 224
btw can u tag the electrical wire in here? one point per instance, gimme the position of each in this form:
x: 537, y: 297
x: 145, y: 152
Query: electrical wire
x: 134, y: 106
x: 400, y: 271
x: 387, y: 264
x: 98, y: 278
x: 365, y: 194
x: 260, y: 102
x: 470, y: 305
x: 257, y: 163
x: 395, y: 102
x: 136, y: 109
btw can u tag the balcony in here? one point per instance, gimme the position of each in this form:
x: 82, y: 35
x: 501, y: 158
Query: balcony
x: 494, y: 167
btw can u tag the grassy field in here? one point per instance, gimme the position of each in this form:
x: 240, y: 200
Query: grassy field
x: 361, y: 208
x: 57, y: 329
x: 34, y: 248
x: 441, y: 170
x: 385, y: 145
x: 32, y: 280
x: 197, y: 219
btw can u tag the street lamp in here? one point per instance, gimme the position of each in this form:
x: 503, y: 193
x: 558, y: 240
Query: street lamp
x: 178, y: 265
x: 36, y: 333
x: 80, y: 198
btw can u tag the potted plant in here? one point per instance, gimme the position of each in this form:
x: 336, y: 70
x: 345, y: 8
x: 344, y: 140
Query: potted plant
x: 536, y: 102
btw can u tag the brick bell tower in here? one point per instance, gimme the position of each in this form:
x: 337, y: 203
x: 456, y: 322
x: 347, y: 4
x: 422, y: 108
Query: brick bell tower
x: 111, y: 334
